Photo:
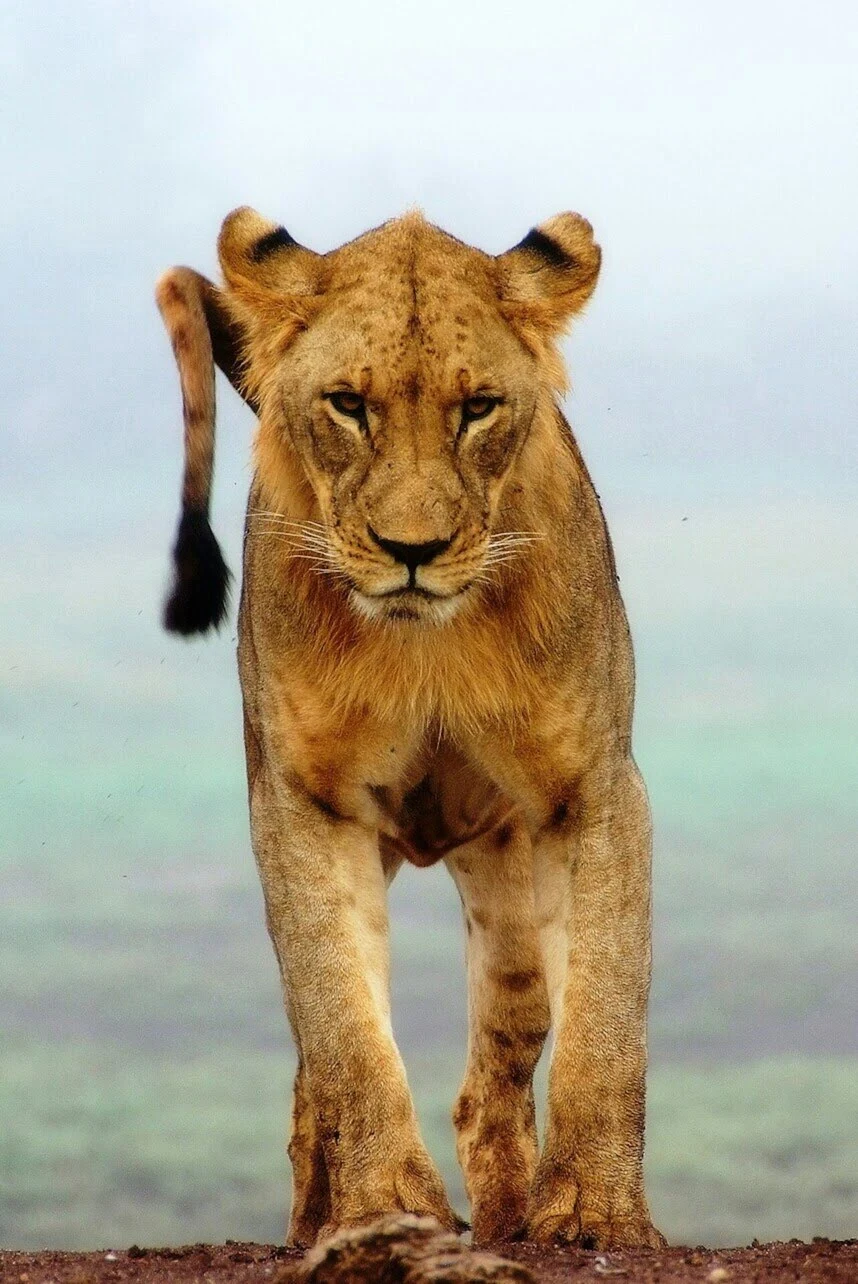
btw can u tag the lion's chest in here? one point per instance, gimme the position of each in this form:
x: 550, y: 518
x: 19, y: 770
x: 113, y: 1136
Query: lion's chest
x: 421, y: 793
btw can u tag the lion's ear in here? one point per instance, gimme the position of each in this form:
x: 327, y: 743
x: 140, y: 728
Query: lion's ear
x: 551, y: 273
x: 259, y: 257
x: 275, y: 288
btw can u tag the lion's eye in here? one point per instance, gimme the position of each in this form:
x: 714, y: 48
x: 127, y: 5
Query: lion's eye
x: 477, y: 408
x: 347, y: 403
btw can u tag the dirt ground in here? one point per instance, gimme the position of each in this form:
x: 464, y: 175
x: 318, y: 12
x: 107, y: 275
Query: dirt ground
x: 263, y: 1264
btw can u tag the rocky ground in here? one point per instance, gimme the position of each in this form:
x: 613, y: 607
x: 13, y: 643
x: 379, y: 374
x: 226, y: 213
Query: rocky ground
x: 407, y: 1250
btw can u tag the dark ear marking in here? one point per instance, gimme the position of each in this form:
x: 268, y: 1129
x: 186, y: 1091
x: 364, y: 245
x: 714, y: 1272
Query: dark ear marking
x: 199, y: 597
x: 268, y: 244
x: 546, y: 248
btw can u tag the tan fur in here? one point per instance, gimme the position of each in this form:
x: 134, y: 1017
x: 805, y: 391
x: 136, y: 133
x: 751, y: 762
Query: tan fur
x: 485, y: 720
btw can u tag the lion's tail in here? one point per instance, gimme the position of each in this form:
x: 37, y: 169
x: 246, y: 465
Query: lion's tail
x: 199, y: 595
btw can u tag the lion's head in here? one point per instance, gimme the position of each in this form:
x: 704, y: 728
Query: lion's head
x: 397, y: 380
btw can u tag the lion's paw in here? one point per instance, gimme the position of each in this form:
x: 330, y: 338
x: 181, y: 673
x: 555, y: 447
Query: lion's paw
x: 619, y: 1232
x: 592, y: 1233
x: 564, y: 1217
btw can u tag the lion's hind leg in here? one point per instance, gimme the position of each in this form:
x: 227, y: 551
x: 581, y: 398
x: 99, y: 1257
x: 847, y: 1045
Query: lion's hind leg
x: 494, y: 1115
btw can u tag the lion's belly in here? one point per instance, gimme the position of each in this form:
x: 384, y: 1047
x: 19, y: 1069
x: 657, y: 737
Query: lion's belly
x: 451, y: 805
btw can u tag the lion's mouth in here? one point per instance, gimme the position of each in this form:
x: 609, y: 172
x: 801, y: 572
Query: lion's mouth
x: 414, y: 590
x: 409, y: 603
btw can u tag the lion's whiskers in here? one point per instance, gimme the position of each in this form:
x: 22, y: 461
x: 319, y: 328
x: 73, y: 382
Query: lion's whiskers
x: 307, y: 540
x: 281, y: 517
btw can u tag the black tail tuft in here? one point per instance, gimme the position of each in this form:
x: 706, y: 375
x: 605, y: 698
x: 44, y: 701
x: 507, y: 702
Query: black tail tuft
x: 200, y: 594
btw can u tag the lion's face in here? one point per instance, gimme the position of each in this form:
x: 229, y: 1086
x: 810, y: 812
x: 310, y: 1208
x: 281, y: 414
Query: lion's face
x: 407, y: 390
x: 408, y: 402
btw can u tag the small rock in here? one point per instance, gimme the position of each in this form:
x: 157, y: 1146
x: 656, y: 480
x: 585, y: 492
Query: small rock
x: 602, y: 1266
x: 111, y: 1257
x: 404, y: 1249
x: 718, y: 1275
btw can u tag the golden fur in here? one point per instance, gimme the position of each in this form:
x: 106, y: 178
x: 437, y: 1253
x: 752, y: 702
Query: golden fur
x: 435, y: 664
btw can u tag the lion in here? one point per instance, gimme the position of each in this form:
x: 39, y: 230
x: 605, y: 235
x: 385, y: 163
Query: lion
x: 435, y: 664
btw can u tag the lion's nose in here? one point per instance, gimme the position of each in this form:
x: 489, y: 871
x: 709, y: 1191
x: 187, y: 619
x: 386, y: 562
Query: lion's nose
x: 411, y: 555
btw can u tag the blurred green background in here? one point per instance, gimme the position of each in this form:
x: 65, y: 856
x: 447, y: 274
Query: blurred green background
x: 144, y: 1059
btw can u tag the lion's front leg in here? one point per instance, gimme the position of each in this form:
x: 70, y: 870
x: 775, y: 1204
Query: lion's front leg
x: 311, y: 1192
x: 592, y: 887
x: 326, y: 908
